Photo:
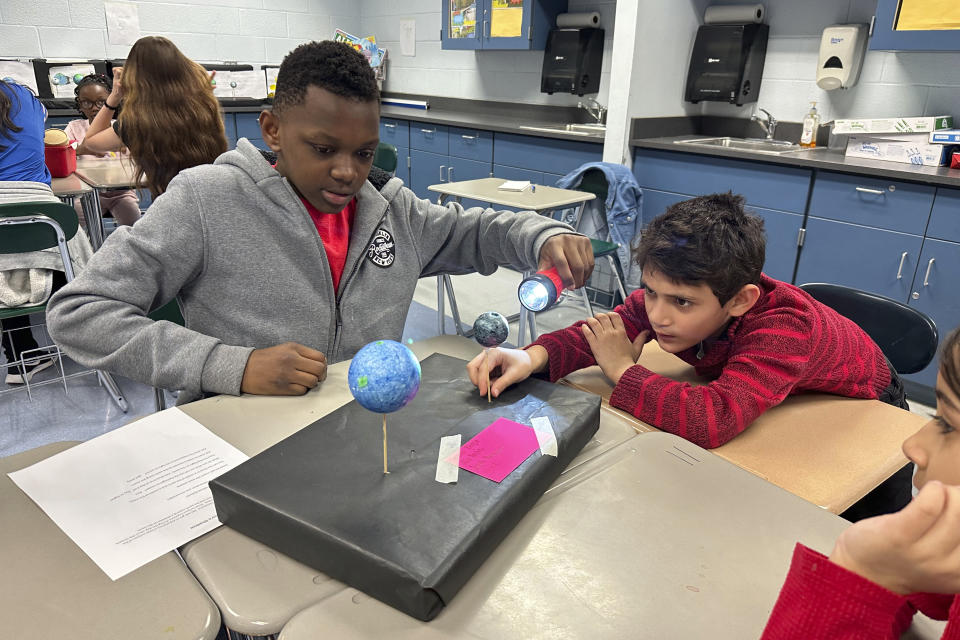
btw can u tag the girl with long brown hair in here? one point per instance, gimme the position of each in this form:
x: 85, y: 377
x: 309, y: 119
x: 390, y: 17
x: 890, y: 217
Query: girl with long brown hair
x: 170, y: 121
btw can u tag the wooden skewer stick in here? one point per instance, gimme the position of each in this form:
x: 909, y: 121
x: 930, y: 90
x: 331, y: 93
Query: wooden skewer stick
x: 385, y: 444
x: 486, y: 355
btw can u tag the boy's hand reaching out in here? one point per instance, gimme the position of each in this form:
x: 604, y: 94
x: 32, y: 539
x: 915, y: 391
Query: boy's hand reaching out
x: 611, y: 348
x: 914, y: 550
x: 288, y: 369
x: 572, y: 255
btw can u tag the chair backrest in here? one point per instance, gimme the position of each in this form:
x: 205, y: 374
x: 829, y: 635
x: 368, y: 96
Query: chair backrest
x: 34, y: 237
x: 593, y: 181
x: 907, y: 337
x: 169, y: 312
x: 385, y: 157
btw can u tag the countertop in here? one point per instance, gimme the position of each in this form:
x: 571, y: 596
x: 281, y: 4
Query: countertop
x: 475, y: 114
x: 817, y: 158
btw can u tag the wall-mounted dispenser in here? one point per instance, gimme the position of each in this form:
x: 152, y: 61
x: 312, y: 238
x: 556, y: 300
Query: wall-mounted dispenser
x: 572, y: 61
x: 727, y: 63
x: 842, y: 48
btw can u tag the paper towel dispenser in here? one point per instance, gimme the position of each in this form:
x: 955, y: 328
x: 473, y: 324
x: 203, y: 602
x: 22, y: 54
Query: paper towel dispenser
x: 842, y: 48
x: 572, y: 61
x: 727, y: 63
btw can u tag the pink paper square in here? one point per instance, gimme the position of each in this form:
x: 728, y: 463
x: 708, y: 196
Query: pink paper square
x: 499, y: 449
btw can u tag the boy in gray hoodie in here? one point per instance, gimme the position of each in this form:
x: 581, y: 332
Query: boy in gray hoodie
x: 283, y: 264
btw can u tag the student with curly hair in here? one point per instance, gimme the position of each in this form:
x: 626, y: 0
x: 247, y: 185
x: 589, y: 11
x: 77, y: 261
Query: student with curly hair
x: 171, y: 120
x: 284, y: 261
x: 91, y: 95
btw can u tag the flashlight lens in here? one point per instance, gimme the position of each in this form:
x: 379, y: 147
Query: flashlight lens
x: 534, y: 295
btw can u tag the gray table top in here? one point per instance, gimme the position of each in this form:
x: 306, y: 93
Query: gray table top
x: 53, y: 590
x: 543, y: 198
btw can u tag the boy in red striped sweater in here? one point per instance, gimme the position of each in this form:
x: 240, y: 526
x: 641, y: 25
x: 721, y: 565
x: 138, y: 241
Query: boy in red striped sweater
x: 705, y: 300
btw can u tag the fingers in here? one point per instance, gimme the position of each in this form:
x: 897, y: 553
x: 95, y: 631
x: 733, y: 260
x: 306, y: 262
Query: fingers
x: 918, y: 517
x: 473, y: 368
x: 307, y: 352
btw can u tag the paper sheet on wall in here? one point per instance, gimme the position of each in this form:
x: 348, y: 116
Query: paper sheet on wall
x: 123, y: 22
x: 408, y: 37
x: 64, y: 78
x: 135, y: 493
x: 19, y: 72
x: 240, y: 84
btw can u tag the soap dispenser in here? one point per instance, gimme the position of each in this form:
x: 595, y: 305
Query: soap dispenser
x: 842, y: 48
x: 811, y: 123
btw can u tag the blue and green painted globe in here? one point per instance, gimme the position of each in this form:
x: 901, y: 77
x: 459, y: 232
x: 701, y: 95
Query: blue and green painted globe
x: 384, y: 376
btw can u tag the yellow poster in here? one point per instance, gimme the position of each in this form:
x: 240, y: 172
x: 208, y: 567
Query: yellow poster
x: 928, y: 15
x: 506, y: 19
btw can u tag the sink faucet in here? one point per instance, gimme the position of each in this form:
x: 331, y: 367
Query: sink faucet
x: 596, y: 110
x: 768, y: 124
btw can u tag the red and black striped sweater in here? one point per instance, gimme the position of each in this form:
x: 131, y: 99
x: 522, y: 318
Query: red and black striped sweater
x: 787, y: 343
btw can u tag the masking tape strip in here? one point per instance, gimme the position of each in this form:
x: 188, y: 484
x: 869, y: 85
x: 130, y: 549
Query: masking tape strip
x: 448, y: 460
x: 546, y: 438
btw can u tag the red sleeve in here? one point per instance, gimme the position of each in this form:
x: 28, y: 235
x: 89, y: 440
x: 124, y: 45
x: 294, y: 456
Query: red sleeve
x: 765, y: 364
x: 567, y: 349
x: 822, y: 600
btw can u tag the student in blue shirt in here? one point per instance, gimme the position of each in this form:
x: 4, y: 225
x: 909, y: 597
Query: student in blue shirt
x: 21, y: 135
x: 24, y: 178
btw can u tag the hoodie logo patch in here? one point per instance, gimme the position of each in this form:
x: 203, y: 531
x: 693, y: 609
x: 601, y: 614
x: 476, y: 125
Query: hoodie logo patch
x: 381, y: 250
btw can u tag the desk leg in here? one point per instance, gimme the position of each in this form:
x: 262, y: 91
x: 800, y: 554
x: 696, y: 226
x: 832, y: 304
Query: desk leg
x: 91, y: 209
x: 107, y: 380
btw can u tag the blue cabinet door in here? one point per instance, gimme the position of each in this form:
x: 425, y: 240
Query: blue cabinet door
x: 498, y: 24
x: 550, y: 155
x: 783, y: 230
x: 874, y: 202
x: 427, y: 168
x: 230, y: 129
x: 935, y: 293
x: 870, y: 259
x: 762, y: 184
x: 945, y: 217
x: 403, y: 165
x: 887, y: 37
x: 461, y: 169
x: 656, y: 202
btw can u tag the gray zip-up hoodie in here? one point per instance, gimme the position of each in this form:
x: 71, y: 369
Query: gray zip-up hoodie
x: 234, y: 244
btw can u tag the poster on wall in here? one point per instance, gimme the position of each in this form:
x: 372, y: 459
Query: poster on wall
x: 64, y: 78
x: 123, y: 22
x: 16, y: 71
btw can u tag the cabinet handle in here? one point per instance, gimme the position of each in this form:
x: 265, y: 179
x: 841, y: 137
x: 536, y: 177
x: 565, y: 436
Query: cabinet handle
x: 466, y: 137
x: 450, y: 173
x: 876, y: 192
x: 430, y: 131
x: 389, y: 126
x: 486, y: 28
x: 903, y: 258
x: 926, y: 278
x: 442, y: 167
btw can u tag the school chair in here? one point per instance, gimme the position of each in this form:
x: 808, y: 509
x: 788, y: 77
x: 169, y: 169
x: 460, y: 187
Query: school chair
x: 595, y: 182
x: 34, y: 226
x: 386, y: 158
x: 171, y: 313
x: 907, y: 337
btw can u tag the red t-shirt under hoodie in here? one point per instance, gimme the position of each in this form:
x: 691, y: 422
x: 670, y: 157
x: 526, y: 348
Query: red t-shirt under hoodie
x: 334, y: 230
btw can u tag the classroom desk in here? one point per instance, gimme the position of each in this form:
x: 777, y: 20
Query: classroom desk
x: 103, y: 174
x: 543, y: 200
x: 257, y: 589
x: 67, y: 189
x: 51, y: 589
x: 658, y: 539
x: 826, y: 449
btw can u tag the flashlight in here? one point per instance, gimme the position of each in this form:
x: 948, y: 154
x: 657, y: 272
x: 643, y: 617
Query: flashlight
x: 541, y: 290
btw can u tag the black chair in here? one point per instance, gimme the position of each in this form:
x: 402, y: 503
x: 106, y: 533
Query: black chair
x: 906, y: 336
x: 386, y: 158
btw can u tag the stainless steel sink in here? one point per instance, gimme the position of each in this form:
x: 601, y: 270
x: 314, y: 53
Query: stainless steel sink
x: 757, y: 145
x: 577, y: 129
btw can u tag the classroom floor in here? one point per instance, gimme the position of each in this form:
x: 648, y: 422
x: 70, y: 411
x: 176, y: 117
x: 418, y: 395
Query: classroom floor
x: 85, y: 410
